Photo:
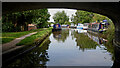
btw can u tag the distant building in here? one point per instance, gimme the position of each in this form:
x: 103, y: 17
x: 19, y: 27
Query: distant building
x: 32, y: 26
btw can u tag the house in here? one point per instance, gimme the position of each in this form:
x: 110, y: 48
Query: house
x: 32, y: 26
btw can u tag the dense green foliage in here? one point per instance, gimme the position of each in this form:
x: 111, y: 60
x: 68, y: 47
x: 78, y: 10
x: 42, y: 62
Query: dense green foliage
x: 33, y: 38
x: 98, y: 17
x: 61, y: 18
x: 87, y: 17
x: 19, y: 21
x: 82, y: 17
x: 9, y: 36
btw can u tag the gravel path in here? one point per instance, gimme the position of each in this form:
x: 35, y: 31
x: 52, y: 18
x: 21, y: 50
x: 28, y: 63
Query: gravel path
x: 13, y: 43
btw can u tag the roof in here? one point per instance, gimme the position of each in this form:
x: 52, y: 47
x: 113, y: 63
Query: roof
x: 31, y: 24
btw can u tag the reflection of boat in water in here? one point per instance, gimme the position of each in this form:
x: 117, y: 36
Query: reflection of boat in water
x: 61, y: 35
x: 57, y: 34
x: 97, y: 39
x: 82, y: 31
x: 56, y: 27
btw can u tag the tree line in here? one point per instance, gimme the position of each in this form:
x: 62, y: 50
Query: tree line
x: 79, y: 17
x: 18, y: 21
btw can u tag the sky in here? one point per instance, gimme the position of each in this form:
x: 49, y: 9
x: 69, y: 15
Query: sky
x: 69, y: 13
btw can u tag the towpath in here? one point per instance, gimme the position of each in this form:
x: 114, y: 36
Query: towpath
x: 13, y: 43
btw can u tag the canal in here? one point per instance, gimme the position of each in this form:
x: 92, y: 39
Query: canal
x: 68, y: 47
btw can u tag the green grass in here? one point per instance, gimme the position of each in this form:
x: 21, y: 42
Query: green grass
x: 9, y: 36
x: 33, y: 38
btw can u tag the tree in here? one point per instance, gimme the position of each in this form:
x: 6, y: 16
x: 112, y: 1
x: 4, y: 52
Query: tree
x: 87, y: 17
x: 19, y: 21
x: 98, y: 17
x: 82, y: 17
x: 61, y: 18
x: 41, y: 18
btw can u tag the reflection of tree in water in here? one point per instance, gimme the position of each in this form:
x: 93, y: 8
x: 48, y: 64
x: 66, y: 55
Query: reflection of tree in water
x: 83, y: 41
x: 37, y: 57
x: 61, y: 35
x: 72, y: 34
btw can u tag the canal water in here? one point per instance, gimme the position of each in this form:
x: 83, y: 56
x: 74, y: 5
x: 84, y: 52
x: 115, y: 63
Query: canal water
x: 69, y: 47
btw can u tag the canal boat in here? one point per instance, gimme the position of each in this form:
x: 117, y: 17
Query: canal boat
x: 85, y: 26
x: 80, y: 26
x: 98, y: 27
x: 73, y: 25
x: 56, y: 27
x: 64, y: 26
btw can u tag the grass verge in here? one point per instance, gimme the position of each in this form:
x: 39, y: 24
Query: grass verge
x: 33, y: 38
x: 9, y: 36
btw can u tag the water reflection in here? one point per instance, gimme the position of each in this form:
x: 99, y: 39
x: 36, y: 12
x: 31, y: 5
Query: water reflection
x: 104, y: 43
x: 69, y: 47
x: 61, y: 35
x: 97, y: 39
x: 86, y: 42
x: 82, y: 44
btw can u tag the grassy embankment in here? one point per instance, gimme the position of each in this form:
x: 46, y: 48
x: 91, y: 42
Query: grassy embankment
x: 9, y: 36
x: 40, y: 35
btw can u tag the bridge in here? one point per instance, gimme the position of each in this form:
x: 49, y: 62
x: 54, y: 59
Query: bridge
x: 109, y: 9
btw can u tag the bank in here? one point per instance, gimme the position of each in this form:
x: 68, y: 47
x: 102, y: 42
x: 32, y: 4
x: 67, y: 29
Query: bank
x: 26, y: 45
x: 10, y: 36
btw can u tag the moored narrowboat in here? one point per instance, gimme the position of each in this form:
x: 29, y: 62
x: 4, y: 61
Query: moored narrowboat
x: 80, y: 26
x: 98, y: 27
x: 85, y: 26
x: 56, y: 27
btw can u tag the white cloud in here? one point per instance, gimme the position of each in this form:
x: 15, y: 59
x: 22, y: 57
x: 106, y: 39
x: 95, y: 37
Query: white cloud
x: 53, y: 11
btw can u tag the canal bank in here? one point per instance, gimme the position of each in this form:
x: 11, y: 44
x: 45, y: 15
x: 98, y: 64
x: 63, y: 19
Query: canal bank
x: 23, y: 47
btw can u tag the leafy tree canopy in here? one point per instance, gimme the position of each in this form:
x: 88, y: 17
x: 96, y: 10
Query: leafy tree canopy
x: 82, y: 17
x: 19, y: 21
x: 61, y: 18
x: 87, y: 17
